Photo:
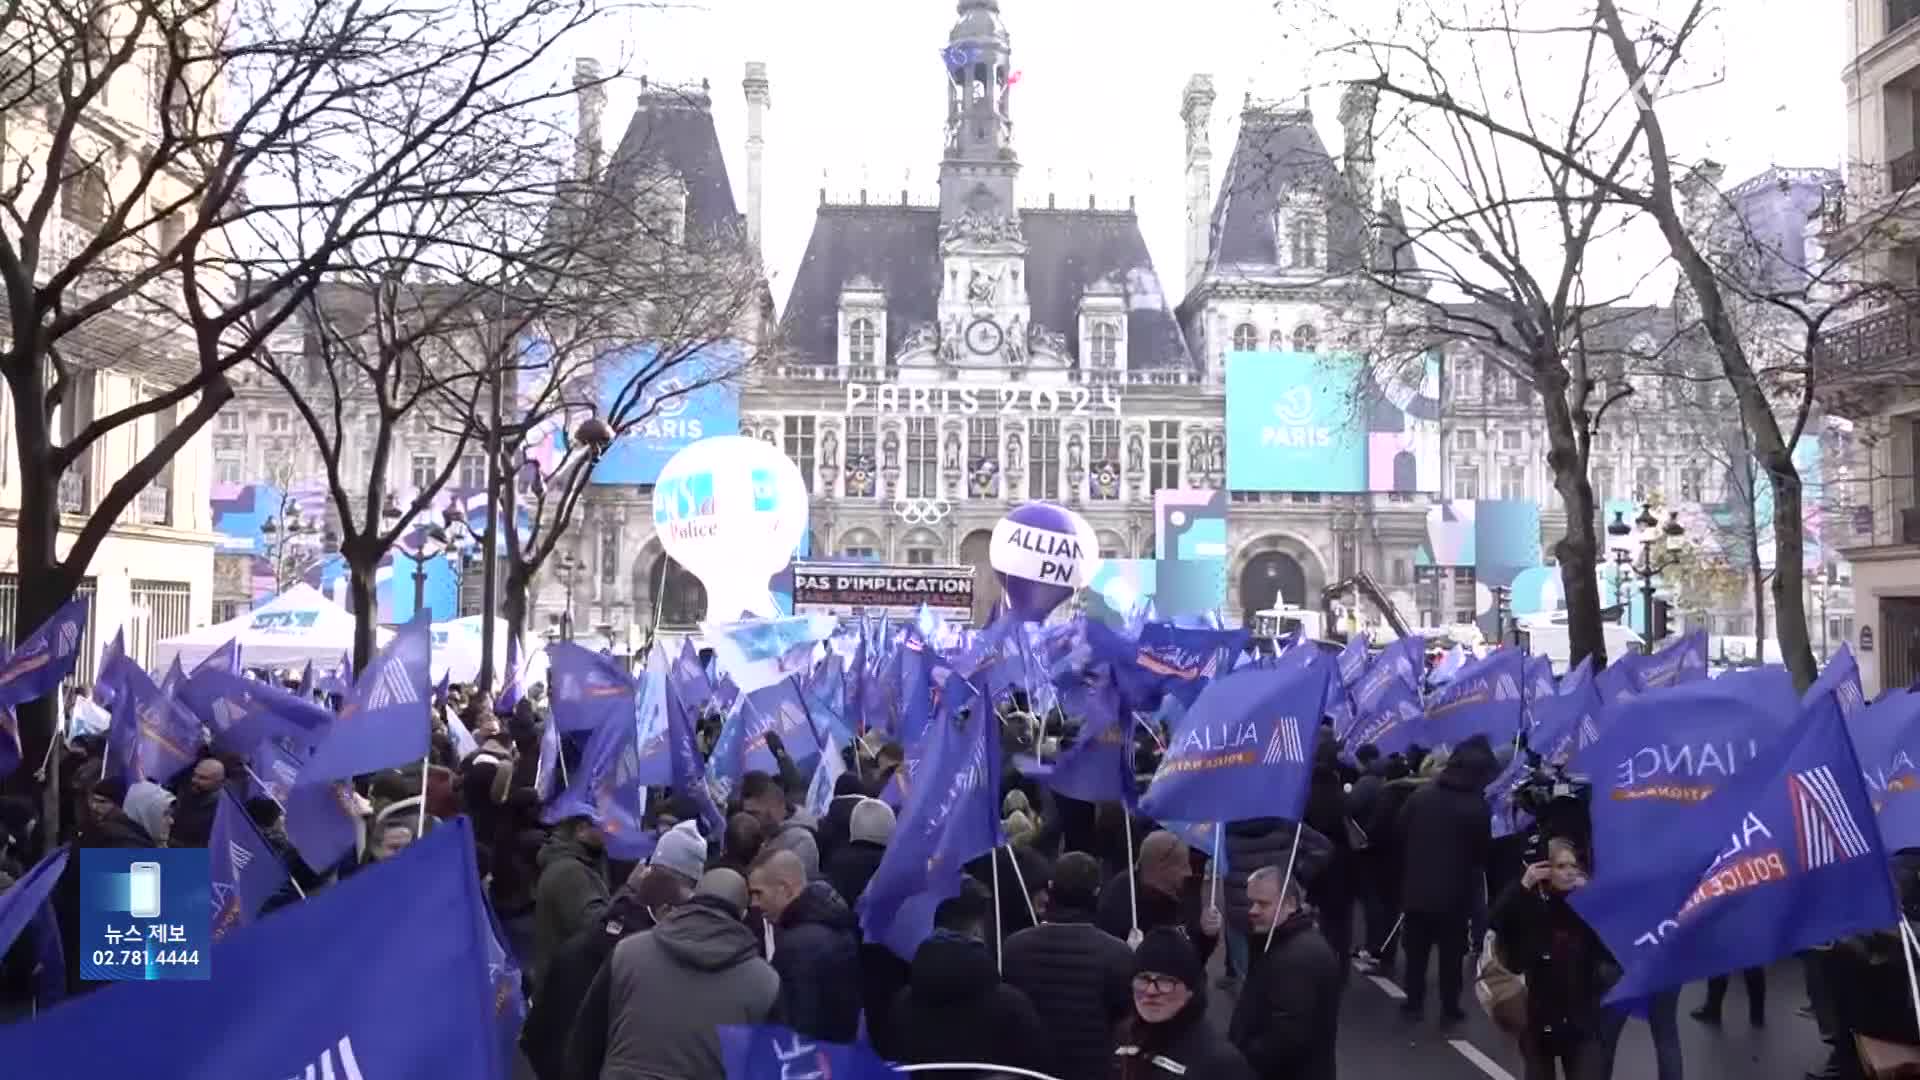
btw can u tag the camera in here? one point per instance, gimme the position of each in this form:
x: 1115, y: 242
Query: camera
x: 1559, y: 803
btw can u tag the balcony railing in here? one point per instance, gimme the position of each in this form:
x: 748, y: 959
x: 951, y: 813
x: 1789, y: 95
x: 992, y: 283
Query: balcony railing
x: 1874, y: 351
x: 1904, y: 170
x: 154, y: 506
x: 73, y: 493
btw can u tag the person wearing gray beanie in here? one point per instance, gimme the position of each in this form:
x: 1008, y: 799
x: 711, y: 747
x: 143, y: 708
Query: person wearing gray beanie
x: 868, y: 830
x: 683, y: 851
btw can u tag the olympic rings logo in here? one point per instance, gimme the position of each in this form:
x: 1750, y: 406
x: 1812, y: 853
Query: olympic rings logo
x: 922, y: 511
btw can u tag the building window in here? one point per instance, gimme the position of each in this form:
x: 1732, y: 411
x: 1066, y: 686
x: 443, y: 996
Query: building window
x: 799, y: 445
x: 1466, y: 441
x: 230, y: 469
x: 1646, y: 481
x: 1245, y: 338
x: 983, y: 438
x: 1400, y: 575
x: 920, y: 556
x: 860, y: 342
x: 1513, y: 482
x: 1103, y: 445
x: 473, y: 472
x: 1305, y: 339
x: 1302, y: 243
x: 425, y: 471
x: 1466, y: 380
x: 1277, y: 341
x: 1163, y: 455
x: 1105, y: 351
x: 1691, y: 484
x: 1466, y: 482
x: 1602, y: 443
x: 1513, y: 440
x: 1463, y: 616
x: 861, y: 440
x: 865, y: 554
x: 923, y: 458
x: 1043, y: 474
x: 279, y: 423
x: 229, y: 421
x: 1603, y: 484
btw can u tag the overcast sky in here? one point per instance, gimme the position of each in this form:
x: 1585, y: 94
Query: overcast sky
x: 859, y: 98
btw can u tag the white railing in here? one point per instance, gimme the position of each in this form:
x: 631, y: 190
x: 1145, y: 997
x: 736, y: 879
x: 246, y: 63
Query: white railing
x: 153, y: 506
x: 73, y: 493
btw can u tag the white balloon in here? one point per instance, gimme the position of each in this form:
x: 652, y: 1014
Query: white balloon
x: 731, y: 509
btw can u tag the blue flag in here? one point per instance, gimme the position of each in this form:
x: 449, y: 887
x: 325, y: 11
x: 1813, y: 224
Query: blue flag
x: 1098, y: 767
x: 509, y: 1005
x: 588, y: 689
x: 21, y: 903
x: 1564, y: 724
x: 1782, y: 857
x: 1886, y: 735
x: 608, y: 790
x: 765, y: 1052
x: 1682, y: 661
x: 103, y: 683
x: 546, y: 775
x: 241, y: 713
x: 1662, y: 754
x: 1483, y: 698
x: 35, y: 669
x: 225, y: 658
x: 689, y: 772
x: 386, y: 720
x: 1244, y: 749
x: 414, y: 921
x: 246, y: 872
x: 951, y: 815
x: 152, y: 736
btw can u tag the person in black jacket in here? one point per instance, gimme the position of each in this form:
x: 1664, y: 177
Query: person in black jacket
x: 869, y: 827
x: 1250, y: 845
x: 1078, y: 976
x: 105, y: 826
x: 1168, y: 1034
x: 1288, y: 1017
x: 1446, y: 830
x: 649, y: 894
x: 955, y: 1008
x: 1161, y: 887
x: 816, y: 947
x: 1567, y: 969
x: 1331, y: 891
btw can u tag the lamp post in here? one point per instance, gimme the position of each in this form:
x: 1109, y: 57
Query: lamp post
x: 450, y: 538
x: 1651, y: 531
x: 568, y: 567
x: 295, y: 540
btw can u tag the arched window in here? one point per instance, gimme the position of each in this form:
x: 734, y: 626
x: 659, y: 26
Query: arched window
x: 1304, y: 338
x: 1106, y: 345
x: 1277, y: 341
x: 860, y: 343
x: 1245, y: 338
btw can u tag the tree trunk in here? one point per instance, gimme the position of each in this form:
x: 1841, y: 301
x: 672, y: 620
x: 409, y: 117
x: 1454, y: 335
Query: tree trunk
x: 513, y: 601
x: 366, y: 608
x: 1578, y: 549
x: 1789, y: 570
x: 1759, y: 593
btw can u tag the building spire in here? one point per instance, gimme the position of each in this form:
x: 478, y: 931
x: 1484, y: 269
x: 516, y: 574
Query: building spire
x: 978, y: 168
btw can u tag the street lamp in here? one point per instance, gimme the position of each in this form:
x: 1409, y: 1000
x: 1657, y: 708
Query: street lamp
x: 454, y: 537
x: 1651, y: 532
x: 296, y: 544
x: 568, y: 567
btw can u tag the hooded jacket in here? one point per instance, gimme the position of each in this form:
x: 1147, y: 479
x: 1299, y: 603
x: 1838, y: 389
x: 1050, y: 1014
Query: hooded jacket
x: 570, y: 896
x: 653, y: 1010
x: 1258, y: 842
x: 570, y: 973
x: 817, y: 954
x: 1286, y: 1021
x: 955, y: 1008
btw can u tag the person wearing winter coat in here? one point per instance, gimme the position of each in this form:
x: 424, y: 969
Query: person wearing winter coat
x: 869, y: 827
x: 654, y: 1010
x: 1446, y: 832
x: 1248, y: 846
x: 1567, y: 969
x: 1078, y: 976
x: 1288, y: 1017
x: 763, y: 796
x: 954, y: 1006
x: 1168, y: 1034
x: 1163, y: 890
x: 571, y: 894
x: 106, y: 825
x: 816, y: 948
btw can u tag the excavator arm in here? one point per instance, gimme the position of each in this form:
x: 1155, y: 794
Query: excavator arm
x: 1364, y: 584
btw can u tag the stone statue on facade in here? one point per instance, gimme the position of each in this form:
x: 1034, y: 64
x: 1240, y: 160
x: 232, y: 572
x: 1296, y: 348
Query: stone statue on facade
x: 1013, y: 451
x: 1075, y: 463
x: 1196, y: 453
x: 890, y: 450
x: 1217, y: 454
x: 953, y: 451
x: 1136, y: 454
x: 981, y: 287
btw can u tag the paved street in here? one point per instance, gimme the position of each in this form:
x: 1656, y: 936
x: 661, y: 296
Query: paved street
x: 1375, y: 1042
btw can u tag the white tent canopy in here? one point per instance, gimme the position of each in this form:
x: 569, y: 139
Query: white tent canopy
x: 299, y: 625
x: 457, y: 652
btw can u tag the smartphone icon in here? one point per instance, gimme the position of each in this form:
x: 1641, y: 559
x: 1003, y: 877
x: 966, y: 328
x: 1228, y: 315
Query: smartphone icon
x: 143, y: 893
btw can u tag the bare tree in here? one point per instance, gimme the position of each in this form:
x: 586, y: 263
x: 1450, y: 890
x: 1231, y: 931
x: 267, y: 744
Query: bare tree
x: 1489, y: 252
x: 1636, y: 169
x: 181, y: 177
x: 657, y: 309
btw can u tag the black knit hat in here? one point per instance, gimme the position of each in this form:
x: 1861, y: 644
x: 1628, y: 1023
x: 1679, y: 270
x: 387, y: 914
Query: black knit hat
x: 1167, y: 951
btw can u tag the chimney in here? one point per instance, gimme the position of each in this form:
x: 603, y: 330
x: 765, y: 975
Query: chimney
x: 593, y: 105
x: 1196, y: 108
x: 1699, y: 191
x: 1357, y: 106
x: 759, y: 101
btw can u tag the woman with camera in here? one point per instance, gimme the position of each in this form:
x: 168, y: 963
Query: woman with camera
x: 1566, y: 967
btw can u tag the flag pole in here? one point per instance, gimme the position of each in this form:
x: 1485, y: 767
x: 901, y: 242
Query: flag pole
x: 999, y: 931
x: 420, y: 824
x: 291, y: 880
x: 1286, y: 879
x: 1907, y: 945
x: 1133, y: 891
x: 1021, y: 879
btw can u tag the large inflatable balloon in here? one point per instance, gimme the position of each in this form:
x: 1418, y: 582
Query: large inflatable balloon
x: 731, y: 510
x: 1042, y: 553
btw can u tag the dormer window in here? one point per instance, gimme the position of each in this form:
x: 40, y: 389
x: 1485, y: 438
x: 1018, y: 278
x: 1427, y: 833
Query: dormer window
x: 1105, y: 347
x: 860, y: 341
x: 1303, y: 242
